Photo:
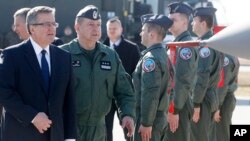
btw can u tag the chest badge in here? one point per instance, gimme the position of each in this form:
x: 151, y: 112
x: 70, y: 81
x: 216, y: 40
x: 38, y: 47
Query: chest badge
x: 105, y: 65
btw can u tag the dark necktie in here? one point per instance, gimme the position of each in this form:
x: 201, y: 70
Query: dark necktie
x: 115, y: 46
x: 45, y: 70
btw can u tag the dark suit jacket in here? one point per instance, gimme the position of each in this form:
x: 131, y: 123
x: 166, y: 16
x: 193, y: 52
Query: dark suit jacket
x: 23, y: 95
x: 128, y: 53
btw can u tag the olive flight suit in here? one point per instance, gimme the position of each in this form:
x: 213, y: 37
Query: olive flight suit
x: 227, y: 100
x: 184, y: 79
x: 151, y: 80
x: 205, y: 96
x: 98, y: 77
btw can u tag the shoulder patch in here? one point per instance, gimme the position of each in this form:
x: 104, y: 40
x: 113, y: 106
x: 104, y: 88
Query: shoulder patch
x: 204, y: 52
x: 148, y: 65
x: 226, y: 61
x: 185, y: 53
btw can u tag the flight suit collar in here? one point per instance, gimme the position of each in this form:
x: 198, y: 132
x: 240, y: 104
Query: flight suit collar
x: 77, y: 48
x: 155, y: 46
x: 182, y: 35
x: 207, y: 35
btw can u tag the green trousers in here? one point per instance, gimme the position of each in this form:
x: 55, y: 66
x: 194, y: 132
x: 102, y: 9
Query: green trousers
x: 183, y: 131
x: 159, y: 128
x: 221, y: 130
x: 91, y: 133
x: 201, y: 130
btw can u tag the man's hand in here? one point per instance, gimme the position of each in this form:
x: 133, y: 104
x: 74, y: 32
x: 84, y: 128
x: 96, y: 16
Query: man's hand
x: 196, y: 115
x: 217, y: 116
x: 173, y: 121
x: 145, y: 132
x: 42, y: 122
x: 128, y: 122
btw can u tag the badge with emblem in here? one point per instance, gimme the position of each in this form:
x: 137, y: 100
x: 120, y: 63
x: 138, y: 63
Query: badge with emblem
x: 95, y: 14
x: 105, y: 65
x: 76, y: 63
x: 226, y: 61
x: 204, y: 52
x: 185, y: 53
x: 148, y: 65
x: 1, y: 58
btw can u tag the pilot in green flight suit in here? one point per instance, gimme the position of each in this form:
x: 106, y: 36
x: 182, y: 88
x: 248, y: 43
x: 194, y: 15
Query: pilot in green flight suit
x: 205, y: 93
x: 151, y: 80
x: 98, y: 78
x: 227, y: 100
x: 185, y: 74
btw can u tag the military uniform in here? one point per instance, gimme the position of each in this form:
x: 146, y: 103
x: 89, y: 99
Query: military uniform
x: 98, y: 77
x: 227, y: 100
x: 204, y: 96
x: 151, y: 79
x: 185, y: 75
x: 129, y: 55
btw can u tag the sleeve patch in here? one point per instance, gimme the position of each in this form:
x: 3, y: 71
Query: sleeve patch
x: 148, y: 65
x: 186, y: 53
x: 226, y: 61
x: 204, y: 52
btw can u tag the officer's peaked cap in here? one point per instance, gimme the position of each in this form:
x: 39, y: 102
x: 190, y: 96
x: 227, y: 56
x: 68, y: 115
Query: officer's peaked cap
x: 90, y: 12
x: 180, y: 7
x: 161, y: 20
x: 204, y: 11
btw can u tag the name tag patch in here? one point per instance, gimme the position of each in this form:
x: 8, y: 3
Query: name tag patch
x: 76, y: 63
x: 105, y: 65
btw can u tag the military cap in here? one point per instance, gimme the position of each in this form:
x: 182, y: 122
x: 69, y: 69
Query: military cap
x: 179, y: 7
x: 90, y: 12
x: 204, y: 11
x: 161, y: 20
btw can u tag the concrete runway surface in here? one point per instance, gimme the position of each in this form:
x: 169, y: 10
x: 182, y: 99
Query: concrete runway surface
x: 241, y: 116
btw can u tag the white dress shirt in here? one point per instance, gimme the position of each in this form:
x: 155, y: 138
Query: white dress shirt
x: 117, y: 43
x: 38, y: 50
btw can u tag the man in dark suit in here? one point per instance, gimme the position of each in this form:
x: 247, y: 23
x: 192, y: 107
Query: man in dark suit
x: 129, y: 55
x: 35, y: 85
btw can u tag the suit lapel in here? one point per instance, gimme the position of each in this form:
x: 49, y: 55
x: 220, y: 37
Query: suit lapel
x: 53, y: 65
x: 33, y: 62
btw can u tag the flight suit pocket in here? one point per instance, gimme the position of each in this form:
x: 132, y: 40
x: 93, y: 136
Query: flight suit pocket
x: 83, y: 104
x: 105, y: 98
x: 160, y: 122
x: 109, y: 89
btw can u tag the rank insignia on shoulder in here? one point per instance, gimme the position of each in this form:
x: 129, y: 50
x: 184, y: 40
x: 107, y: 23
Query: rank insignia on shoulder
x: 105, y: 65
x: 148, y: 65
x: 226, y: 61
x: 76, y: 63
x: 204, y: 52
x: 185, y: 53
